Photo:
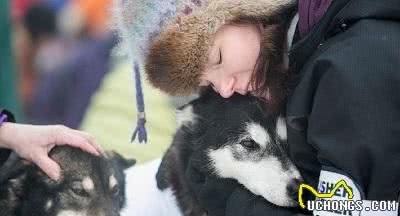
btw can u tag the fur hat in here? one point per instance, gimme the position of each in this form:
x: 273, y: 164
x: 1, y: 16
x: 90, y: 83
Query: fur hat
x: 175, y: 59
x: 172, y: 37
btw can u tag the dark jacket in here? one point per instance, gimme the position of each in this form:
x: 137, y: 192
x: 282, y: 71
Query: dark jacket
x: 4, y: 153
x: 343, y: 111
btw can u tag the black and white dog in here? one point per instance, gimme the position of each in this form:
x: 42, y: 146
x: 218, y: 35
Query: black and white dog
x: 90, y: 186
x: 236, y: 139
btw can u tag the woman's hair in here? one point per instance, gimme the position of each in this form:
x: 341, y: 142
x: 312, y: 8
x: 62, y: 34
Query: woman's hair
x: 270, y: 73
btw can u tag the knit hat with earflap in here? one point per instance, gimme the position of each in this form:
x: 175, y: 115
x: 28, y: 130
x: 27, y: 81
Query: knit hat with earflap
x: 137, y: 23
x: 177, y: 56
x: 169, y: 39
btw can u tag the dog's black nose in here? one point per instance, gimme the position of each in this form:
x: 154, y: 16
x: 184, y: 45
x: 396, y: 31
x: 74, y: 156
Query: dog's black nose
x: 293, y: 188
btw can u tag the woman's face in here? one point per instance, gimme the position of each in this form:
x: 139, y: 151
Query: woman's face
x: 232, y: 59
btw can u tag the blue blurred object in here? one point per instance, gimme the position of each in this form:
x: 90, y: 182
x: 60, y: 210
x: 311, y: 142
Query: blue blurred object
x: 56, y: 5
x: 64, y: 94
x: 140, y: 130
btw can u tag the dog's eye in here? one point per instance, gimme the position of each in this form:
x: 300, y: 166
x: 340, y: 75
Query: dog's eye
x: 249, y: 144
x: 78, y: 189
x: 115, y: 190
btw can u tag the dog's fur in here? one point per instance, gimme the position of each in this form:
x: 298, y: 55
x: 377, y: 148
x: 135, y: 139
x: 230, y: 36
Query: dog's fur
x: 143, y: 198
x: 90, y: 186
x: 235, y: 139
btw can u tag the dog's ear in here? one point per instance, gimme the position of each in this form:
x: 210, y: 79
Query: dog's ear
x: 164, y: 170
x: 120, y: 160
x: 13, y: 167
x: 185, y: 116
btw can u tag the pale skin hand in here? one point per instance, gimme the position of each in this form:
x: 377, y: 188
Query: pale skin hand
x: 33, y: 143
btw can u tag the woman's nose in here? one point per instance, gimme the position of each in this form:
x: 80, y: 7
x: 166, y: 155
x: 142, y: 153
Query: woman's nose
x: 227, y: 88
x: 226, y: 93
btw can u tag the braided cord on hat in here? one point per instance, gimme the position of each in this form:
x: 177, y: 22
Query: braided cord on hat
x: 140, y: 130
x: 137, y: 23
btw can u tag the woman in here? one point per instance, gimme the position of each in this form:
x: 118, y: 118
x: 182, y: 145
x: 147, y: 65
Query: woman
x: 234, y: 46
x: 342, y: 113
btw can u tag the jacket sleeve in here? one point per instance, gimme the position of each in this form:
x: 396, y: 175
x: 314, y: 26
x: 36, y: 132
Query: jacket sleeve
x: 355, y: 118
x: 4, y: 153
x: 242, y: 202
x: 354, y: 123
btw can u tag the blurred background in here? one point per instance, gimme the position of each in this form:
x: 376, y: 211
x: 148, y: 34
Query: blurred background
x: 57, y: 67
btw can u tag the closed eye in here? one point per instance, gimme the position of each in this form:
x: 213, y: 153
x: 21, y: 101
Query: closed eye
x: 220, y: 57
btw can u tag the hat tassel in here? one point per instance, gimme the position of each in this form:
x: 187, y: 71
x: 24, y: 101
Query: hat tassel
x: 140, y: 130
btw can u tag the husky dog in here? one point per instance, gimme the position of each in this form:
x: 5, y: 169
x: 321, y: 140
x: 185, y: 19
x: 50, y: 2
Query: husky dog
x: 237, y: 141
x: 90, y: 186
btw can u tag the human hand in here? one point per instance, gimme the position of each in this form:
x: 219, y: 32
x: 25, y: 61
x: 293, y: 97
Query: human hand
x: 34, y: 143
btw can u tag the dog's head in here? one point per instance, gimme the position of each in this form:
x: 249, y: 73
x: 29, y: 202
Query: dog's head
x: 242, y: 141
x: 90, y: 185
